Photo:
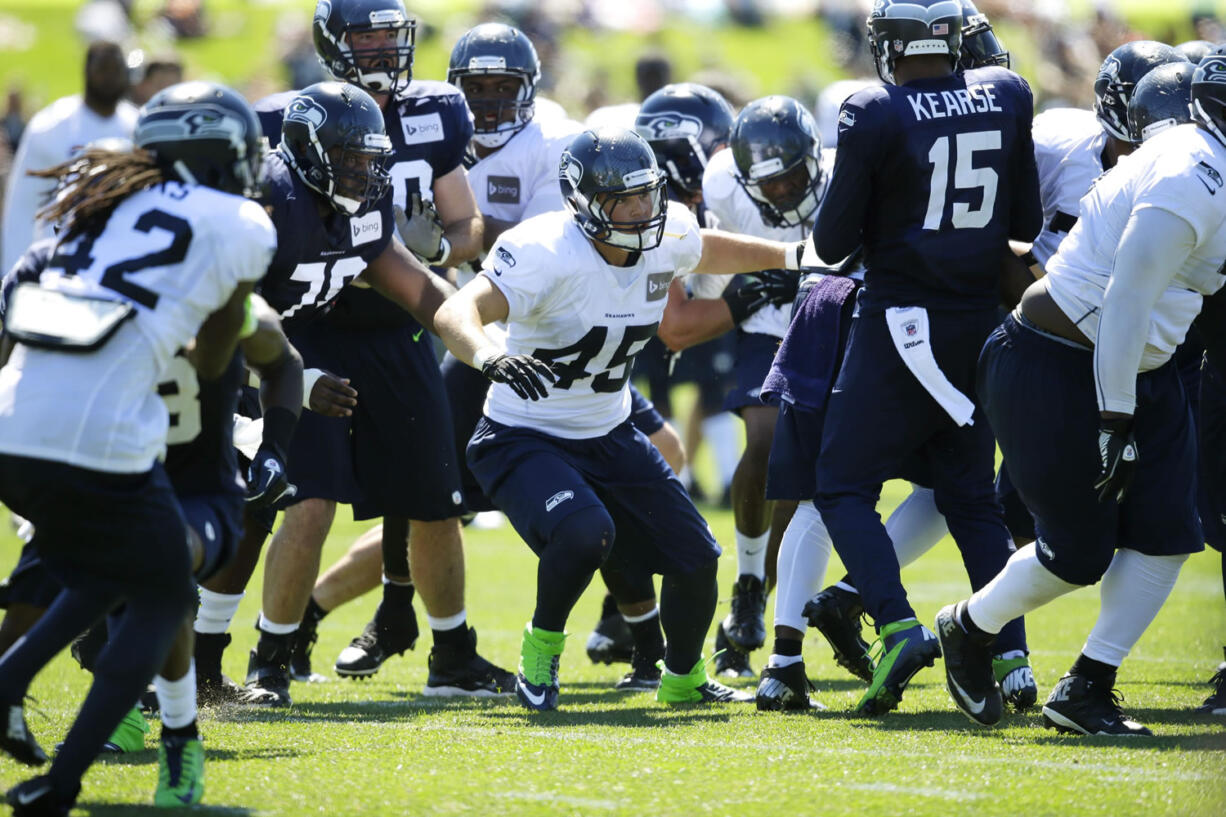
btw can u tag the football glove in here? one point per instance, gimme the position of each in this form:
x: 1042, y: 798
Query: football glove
x: 523, y: 373
x: 1117, y: 458
x: 267, y: 480
x: 421, y: 229
x: 769, y: 287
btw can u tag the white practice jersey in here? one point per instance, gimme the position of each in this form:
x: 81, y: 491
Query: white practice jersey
x: 1068, y: 149
x: 570, y: 307
x: 176, y: 253
x: 1181, y: 171
x: 520, y: 179
x: 737, y: 213
x: 54, y: 135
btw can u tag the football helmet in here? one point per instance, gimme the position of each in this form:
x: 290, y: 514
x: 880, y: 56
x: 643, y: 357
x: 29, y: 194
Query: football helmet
x: 1119, y: 75
x: 1209, y: 93
x: 980, y: 47
x: 1194, y: 50
x: 685, y: 124
x: 333, y: 136
x: 777, y: 150
x: 497, y: 49
x: 204, y: 133
x: 602, y: 169
x: 383, y: 69
x: 911, y: 28
x: 1162, y: 99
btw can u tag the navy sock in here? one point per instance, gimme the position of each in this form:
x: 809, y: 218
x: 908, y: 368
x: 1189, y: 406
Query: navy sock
x: 1096, y: 671
x: 687, y: 605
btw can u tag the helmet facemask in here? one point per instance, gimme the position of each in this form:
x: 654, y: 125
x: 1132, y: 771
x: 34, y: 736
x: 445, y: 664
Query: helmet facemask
x: 385, y: 68
x: 786, y: 196
x: 497, y: 118
x: 352, y: 176
x: 602, y: 214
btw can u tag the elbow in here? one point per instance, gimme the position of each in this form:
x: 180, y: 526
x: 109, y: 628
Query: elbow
x: 670, y: 335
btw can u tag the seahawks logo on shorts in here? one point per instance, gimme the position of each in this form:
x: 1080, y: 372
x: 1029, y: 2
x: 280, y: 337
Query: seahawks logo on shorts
x: 557, y: 499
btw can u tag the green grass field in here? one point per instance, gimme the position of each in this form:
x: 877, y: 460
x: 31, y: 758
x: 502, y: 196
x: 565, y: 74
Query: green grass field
x: 380, y: 748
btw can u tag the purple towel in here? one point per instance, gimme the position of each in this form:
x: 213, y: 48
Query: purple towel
x: 808, y: 359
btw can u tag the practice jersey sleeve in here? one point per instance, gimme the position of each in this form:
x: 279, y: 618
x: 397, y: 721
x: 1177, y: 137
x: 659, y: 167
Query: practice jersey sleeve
x: 527, y: 282
x: 1186, y: 190
x: 244, y: 250
x: 841, y: 219
x: 1026, y: 211
x: 458, y: 127
x: 683, y: 226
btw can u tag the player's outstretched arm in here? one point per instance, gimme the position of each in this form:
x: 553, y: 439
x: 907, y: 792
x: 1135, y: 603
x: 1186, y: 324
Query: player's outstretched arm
x: 397, y: 274
x: 690, y: 321
x: 219, y: 335
x: 729, y: 253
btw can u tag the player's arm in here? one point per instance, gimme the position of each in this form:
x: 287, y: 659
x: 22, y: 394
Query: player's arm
x: 726, y: 253
x: 1026, y: 208
x: 839, y: 229
x: 690, y: 321
x: 463, y: 225
x: 218, y: 336
x: 399, y: 276
x: 460, y: 323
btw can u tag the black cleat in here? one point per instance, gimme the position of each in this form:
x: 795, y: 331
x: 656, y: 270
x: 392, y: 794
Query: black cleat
x: 611, y: 641
x: 268, y: 672
x: 1078, y: 705
x: 302, y: 646
x: 835, y: 613
x: 1215, y: 704
x: 968, y: 668
x: 17, y: 740
x: 785, y: 689
x: 729, y: 661
x: 213, y: 688
x: 644, y: 674
x: 389, y: 633
x: 36, y: 797
x: 746, y: 624
x: 461, y: 672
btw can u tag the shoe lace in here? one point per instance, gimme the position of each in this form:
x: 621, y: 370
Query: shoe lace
x: 1219, y: 678
x: 368, y: 638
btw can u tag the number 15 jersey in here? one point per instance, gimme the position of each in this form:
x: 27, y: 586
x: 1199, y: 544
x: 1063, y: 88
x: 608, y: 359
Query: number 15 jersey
x: 589, y: 319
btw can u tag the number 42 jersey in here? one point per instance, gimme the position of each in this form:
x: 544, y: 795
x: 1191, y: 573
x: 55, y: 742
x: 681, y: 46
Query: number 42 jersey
x: 569, y: 307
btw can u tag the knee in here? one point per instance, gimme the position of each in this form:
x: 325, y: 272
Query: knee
x: 1081, y: 568
x: 308, y: 520
x: 586, y: 536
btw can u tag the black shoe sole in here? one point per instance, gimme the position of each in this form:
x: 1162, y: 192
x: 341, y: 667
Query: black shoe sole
x: 1067, y: 726
x: 23, y: 753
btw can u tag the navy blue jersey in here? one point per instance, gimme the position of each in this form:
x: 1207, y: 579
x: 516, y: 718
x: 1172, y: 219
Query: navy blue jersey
x: 430, y: 126
x: 932, y: 178
x: 317, y: 255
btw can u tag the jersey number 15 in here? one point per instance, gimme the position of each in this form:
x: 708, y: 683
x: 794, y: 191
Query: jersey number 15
x: 966, y: 177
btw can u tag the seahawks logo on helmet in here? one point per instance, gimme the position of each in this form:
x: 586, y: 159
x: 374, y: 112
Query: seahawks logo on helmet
x: 571, y: 169
x: 1213, y: 69
x: 324, y: 10
x: 196, y: 122
x: 1111, y: 68
x: 670, y: 125
x: 307, y: 111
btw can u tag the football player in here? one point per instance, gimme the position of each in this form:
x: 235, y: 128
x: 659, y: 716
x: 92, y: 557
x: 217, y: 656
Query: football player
x: 581, y: 292
x: 1092, y: 344
x: 154, y: 244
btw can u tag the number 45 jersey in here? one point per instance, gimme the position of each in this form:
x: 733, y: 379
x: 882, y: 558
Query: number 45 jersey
x: 569, y: 307
x: 933, y: 177
x: 176, y: 253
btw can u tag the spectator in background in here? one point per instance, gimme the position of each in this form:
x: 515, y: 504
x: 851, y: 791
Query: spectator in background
x: 14, y: 122
x: 652, y: 71
x: 55, y: 133
x: 150, y: 73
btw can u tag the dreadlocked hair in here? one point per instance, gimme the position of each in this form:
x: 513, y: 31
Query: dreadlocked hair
x: 91, y: 186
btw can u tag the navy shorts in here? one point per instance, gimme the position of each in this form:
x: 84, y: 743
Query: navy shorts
x: 30, y: 583
x: 1211, y: 434
x: 1039, y: 396
x: 218, y: 520
x: 538, y: 480
x: 120, y: 534
x: 754, y: 354
x: 466, y: 389
x: 643, y: 414
x: 395, y: 456
x: 1018, y: 517
x: 791, y: 470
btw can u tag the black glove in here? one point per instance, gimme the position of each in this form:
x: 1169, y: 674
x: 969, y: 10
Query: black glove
x: 523, y: 373
x: 774, y: 287
x: 267, y: 481
x: 1117, y: 458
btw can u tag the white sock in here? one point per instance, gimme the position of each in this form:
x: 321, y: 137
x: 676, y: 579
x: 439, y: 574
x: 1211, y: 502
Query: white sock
x: 751, y: 554
x: 216, y: 611
x: 1133, y: 590
x: 842, y: 585
x: 803, y: 556
x: 916, y: 525
x: 386, y: 580
x: 274, y: 628
x: 448, y: 623
x: 783, y: 660
x: 1023, y: 585
x: 652, y: 613
x: 177, y: 699
x: 720, y: 433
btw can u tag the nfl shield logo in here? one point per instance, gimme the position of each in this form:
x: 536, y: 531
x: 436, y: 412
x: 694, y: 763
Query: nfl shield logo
x: 910, y: 327
x: 898, y: 45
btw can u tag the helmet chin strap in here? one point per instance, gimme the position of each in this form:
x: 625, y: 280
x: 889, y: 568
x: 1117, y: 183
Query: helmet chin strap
x: 183, y: 173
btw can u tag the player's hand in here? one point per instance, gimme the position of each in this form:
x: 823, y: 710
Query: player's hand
x: 267, y: 480
x: 769, y: 287
x: 332, y: 396
x: 1117, y: 458
x: 420, y: 228
x: 523, y: 373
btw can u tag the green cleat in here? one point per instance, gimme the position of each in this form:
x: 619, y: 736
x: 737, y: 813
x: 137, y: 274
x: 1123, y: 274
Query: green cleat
x: 180, y: 772
x: 129, y: 736
x: 908, y: 647
x: 696, y: 688
x: 536, y: 685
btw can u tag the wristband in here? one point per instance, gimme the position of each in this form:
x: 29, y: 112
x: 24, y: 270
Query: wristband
x: 1028, y: 258
x: 279, y: 424
x: 483, y: 356
x: 793, y: 254
x: 444, y: 252
x: 309, y: 378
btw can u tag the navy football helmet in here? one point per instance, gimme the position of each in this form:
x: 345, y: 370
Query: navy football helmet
x: 333, y: 136
x: 908, y: 28
x: 685, y: 124
x: 497, y: 49
x: 1194, y: 50
x: 385, y: 68
x: 1119, y: 75
x: 980, y: 47
x: 204, y: 133
x: 777, y: 150
x: 1162, y: 99
x: 604, y: 168
x: 1209, y: 93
